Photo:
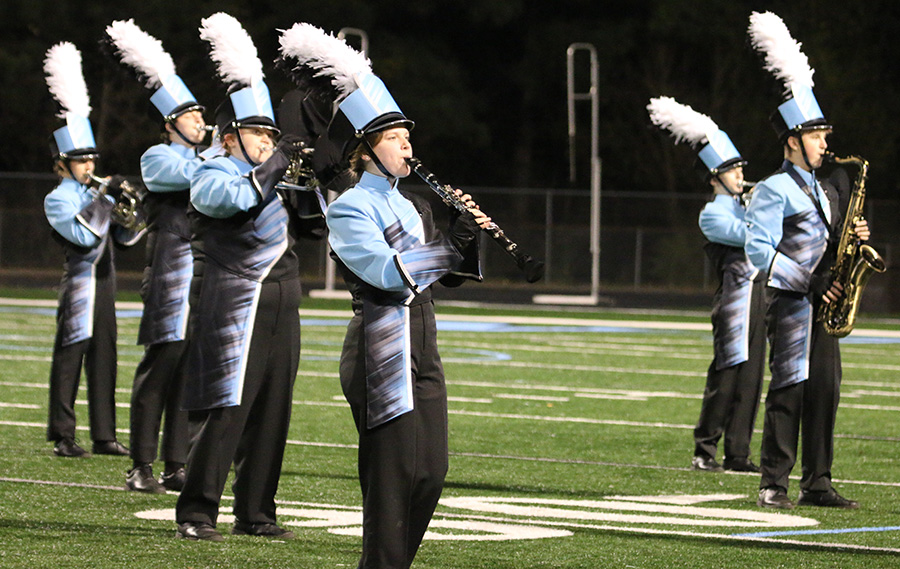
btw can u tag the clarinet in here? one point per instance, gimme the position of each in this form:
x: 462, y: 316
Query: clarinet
x: 533, y: 269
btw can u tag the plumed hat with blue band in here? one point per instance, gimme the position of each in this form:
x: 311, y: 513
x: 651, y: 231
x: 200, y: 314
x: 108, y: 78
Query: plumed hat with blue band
x: 76, y: 139
x: 783, y: 57
x: 322, y: 63
x: 248, y: 102
x: 66, y: 83
x: 371, y: 107
x: 173, y: 98
x: 717, y: 153
x: 145, y: 55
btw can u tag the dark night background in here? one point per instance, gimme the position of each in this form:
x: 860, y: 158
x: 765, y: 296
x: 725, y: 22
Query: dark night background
x: 485, y: 82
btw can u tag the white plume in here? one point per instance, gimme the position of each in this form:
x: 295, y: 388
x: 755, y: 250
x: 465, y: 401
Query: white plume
x: 142, y: 51
x: 683, y: 122
x: 324, y: 54
x: 769, y: 35
x: 232, y: 49
x: 65, y: 79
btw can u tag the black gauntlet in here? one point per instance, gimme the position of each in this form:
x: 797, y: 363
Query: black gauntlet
x: 463, y: 230
x: 270, y: 172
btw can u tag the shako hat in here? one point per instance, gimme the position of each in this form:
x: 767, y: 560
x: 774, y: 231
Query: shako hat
x: 248, y: 102
x: 800, y: 111
x: 154, y: 67
x: 75, y: 139
x: 716, y: 152
x: 320, y: 63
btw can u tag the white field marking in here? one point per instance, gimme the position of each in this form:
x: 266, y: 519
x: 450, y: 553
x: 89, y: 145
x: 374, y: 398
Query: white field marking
x: 620, y: 341
x: 647, y: 513
x: 531, y: 397
x: 637, y: 395
x: 579, y: 391
x: 569, y: 367
x: 18, y: 358
x: 633, y: 350
x: 470, y: 399
x: 721, y: 537
x: 867, y: 367
x: 118, y: 404
x: 19, y: 405
x: 871, y: 407
x: 577, y: 420
x: 862, y: 392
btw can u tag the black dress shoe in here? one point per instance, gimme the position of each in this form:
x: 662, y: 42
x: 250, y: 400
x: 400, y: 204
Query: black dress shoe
x: 705, y: 463
x: 198, y: 532
x: 173, y: 480
x: 740, y: 465
x: 140, y: 479
x: 68, y: 448
x: 114, y: 448
x: 774, y: 497
x: 827, y: 499
x: 264, y: 530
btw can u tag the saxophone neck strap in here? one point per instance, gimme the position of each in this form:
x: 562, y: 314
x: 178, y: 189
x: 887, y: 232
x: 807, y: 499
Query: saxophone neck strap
x: 810, y: 191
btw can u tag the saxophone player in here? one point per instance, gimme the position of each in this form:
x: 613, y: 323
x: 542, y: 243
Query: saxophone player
x: 791, y: 218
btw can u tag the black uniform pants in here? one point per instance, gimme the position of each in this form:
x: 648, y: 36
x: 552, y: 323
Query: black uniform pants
x: 251, y: 435
x: 811, y: 407
x: 157, y: 388
x: 402, y: 463
x: 99, y: 357
x: 731, y: 396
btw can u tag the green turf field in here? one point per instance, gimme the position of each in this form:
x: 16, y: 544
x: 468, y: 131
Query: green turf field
x: 570, y: 438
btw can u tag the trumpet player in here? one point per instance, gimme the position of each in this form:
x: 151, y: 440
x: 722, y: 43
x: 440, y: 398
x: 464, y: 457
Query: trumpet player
x: 791, y: 218
x: 166, y: 169
x: 80, y: 215
x: 244, y: 346
x: 734, y: 378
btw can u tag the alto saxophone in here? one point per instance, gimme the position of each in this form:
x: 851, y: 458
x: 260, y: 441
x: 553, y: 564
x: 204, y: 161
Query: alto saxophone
x: 854, y: 263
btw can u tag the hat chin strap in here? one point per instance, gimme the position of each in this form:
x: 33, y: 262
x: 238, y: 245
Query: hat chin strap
x: 237, y: 131
x: 375, y: 159
x: 181, y: 135
x: 725, y: 187
x: 806, y: 158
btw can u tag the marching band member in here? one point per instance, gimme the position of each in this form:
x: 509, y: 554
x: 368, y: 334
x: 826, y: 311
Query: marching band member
x: 166, y: 169
x: 80, y: 217
x: 790, y: 219
x: 244, y: 338
x: 734, y: 379
x: 389, y: 252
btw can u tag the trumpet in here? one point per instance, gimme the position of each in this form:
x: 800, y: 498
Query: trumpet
x: 205, y: 128
x: 299, y: 175
x: 533, y: 269
x: 128, y: 209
